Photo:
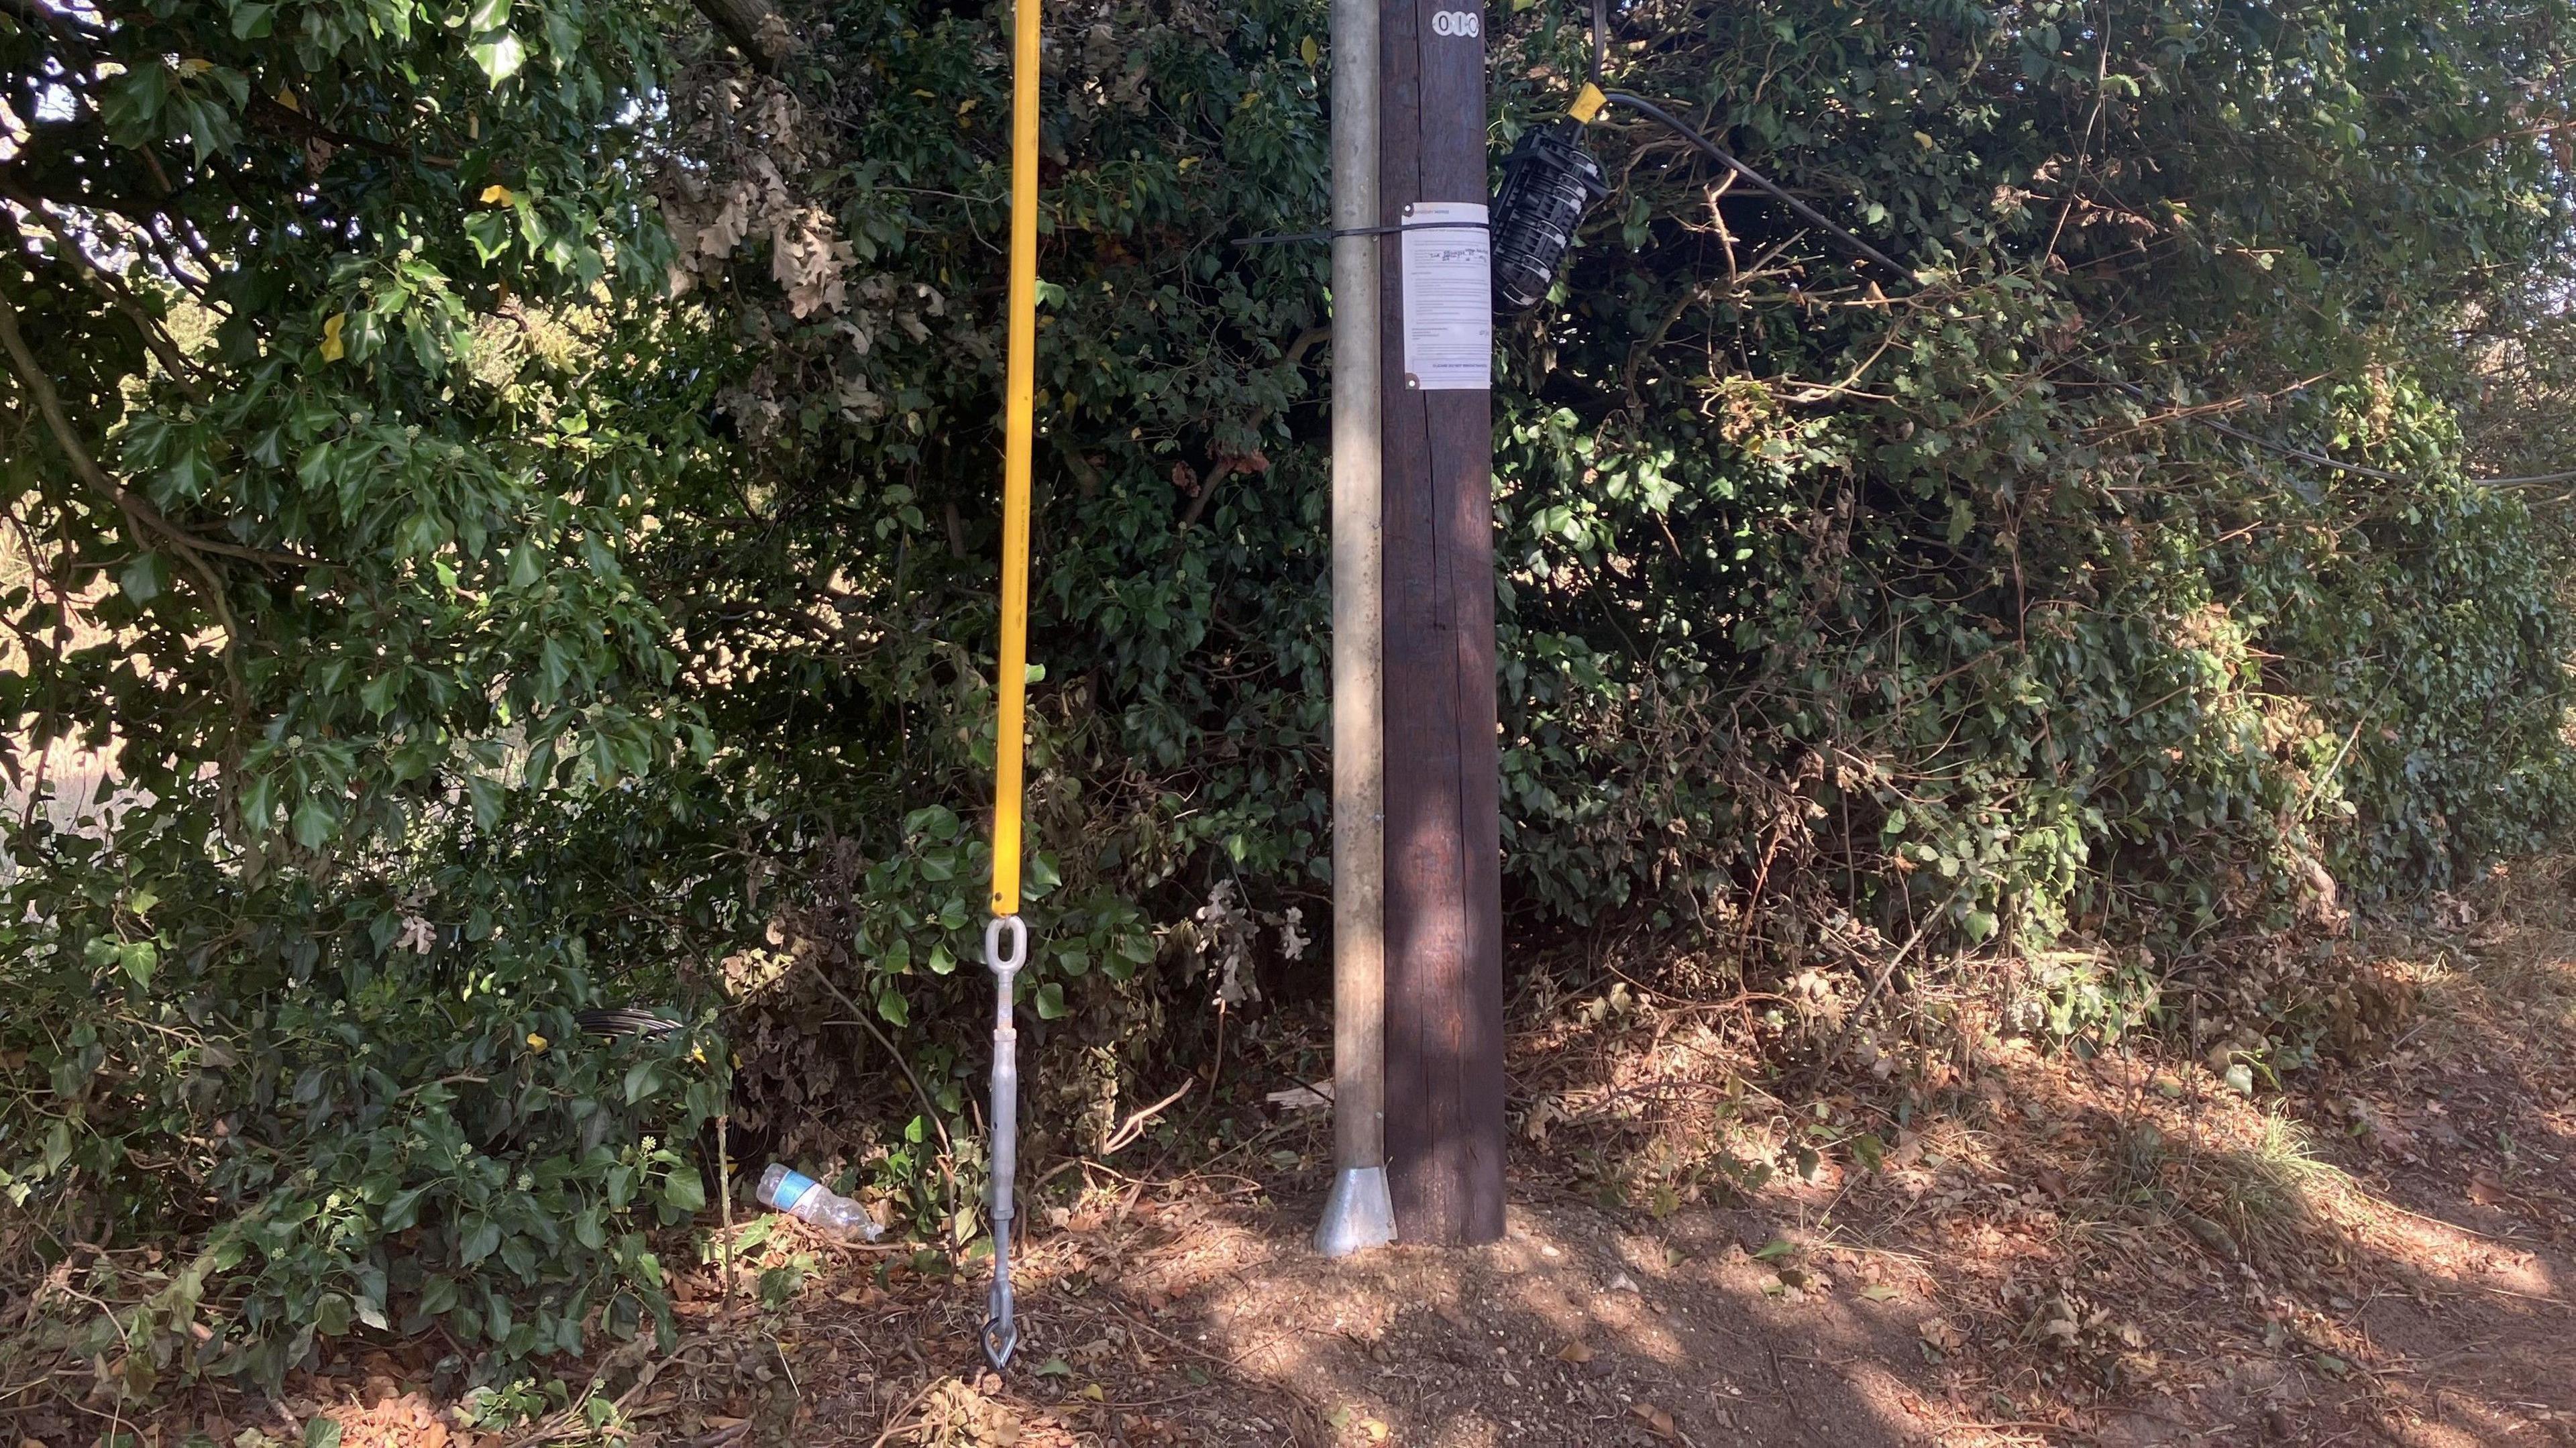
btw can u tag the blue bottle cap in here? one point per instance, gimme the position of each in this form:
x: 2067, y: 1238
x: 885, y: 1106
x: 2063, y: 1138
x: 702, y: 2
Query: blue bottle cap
x: 791, y: 1190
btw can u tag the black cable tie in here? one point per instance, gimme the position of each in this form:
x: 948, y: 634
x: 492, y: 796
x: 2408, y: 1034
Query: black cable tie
x: 1279, y: 239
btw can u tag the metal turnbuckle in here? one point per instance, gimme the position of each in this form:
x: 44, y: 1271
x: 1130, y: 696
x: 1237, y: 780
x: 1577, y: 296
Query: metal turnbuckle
x: 1001, y: 1333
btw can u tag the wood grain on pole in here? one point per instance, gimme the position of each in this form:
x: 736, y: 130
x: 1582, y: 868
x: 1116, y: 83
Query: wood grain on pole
x: 1444, y: 1026
x: 1359, y: 735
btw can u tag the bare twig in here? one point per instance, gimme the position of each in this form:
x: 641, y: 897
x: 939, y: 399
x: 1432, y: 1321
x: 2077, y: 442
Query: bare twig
x: 724, y: 1196
x: 895, y: 1422
x: 1134, y: 1126
x: 859, y: 1018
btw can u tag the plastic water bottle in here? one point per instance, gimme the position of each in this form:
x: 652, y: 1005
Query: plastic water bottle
x: 802, y: 1197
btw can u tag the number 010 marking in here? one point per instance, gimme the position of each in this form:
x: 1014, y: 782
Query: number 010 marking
x: 1457, y: 22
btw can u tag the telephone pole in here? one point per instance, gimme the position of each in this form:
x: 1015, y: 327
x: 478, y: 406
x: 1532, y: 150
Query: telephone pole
x: 1358, y: 1214
x: 1417, y: 821
x: 1443, y: 840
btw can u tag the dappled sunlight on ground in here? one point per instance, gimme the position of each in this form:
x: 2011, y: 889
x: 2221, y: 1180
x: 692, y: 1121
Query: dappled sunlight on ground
x: 1996, y: 1244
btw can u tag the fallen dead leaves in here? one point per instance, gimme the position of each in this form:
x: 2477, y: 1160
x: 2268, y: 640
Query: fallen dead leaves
x: 1659, y: 1420
x: 406, y: 1420
x: 2486, y: 1189
x: 956, y: 1412
x: 1375, y: 1430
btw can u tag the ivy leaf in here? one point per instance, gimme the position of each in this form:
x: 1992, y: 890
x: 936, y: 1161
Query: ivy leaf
x: 490, y: 233
x: 482, y: 1238
x: 500, y: 54
x: 488, y: 800
x: 402, y: 1209
x: 684, y: 1192
x: 312, y: 824
x: 140, y: 580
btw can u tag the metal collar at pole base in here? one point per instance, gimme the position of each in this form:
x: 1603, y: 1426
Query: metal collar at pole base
x: 1358, y: 1215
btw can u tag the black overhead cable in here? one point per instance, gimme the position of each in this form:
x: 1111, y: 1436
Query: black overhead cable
x: 1281, y: 238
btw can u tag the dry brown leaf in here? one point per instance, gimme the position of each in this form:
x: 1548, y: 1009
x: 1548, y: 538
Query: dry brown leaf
x: 407, y: 1421
x: 1657, y: 1419
x: 1574, y: 1352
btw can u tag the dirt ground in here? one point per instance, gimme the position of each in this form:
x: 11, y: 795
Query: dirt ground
x: 2117, y: 1251
x: 2029, y: 1248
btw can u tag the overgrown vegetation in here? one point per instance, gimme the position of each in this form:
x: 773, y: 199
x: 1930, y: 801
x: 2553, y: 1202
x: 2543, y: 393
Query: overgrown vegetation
x: 514, y: 489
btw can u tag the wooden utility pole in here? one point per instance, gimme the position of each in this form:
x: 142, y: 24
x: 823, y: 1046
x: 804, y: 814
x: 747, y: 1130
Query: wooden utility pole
x: 1358, y: 1215
x: 1443, y: 842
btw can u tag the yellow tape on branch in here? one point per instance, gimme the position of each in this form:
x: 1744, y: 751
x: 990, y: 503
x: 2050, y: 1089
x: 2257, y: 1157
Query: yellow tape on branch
x: 1018, y: 422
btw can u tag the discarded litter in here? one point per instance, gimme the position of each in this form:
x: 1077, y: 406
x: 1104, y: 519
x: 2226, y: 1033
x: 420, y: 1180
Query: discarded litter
x: 805, y: 1199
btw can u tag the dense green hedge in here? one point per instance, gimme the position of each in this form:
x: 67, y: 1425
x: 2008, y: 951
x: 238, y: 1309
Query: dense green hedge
x: 557, y: 569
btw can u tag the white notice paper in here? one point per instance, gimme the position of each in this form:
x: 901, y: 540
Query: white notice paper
x: 1448, y: 297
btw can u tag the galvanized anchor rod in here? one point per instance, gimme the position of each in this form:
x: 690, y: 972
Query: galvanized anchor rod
x: 1001, y: 1332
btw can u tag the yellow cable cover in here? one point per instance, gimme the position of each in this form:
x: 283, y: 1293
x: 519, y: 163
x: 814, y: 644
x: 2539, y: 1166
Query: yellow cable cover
x: 1018, y: 422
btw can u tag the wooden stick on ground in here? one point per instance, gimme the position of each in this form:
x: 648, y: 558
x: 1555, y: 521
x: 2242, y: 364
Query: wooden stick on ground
x: 724, y: 1194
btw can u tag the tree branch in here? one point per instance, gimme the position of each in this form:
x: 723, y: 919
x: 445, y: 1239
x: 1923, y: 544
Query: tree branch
x: 755, y: 29
x: 140, y: 516
x: 138, y: 509
x: 285, y: 120
x: 67, y: 248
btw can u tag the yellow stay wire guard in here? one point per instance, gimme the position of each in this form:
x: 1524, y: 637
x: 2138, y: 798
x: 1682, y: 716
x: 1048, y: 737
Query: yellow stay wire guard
x: 1018, y: 425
